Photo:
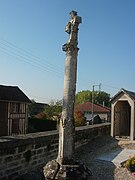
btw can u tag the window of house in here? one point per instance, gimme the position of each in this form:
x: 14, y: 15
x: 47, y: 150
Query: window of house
x: 22, y: 108
x: 15, y: 107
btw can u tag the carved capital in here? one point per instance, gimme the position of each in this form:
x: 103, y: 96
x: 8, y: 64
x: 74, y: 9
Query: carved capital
x: 70, y: 48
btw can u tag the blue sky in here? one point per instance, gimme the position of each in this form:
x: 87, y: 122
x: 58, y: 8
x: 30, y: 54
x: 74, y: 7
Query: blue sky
x: 32, y: 35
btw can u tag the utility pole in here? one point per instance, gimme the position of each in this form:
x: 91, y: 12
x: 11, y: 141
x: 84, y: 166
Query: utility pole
x: 93, y: 99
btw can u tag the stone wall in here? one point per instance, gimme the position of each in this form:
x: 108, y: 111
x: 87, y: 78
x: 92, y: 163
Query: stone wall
x: 22, y: 154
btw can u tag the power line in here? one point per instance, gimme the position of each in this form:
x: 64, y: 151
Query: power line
x: 111, y: 86
x: 101, y: 84
x: 28, y: 60
x: 11, y: 49
x: 40, y: 68
x: 25, y: 52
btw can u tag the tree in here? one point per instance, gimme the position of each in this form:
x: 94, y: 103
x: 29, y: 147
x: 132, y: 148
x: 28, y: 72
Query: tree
x: 83, y: 96
x: 102, y: 98
x: 99, y: 97
x: 53, y: 110
x: 79, y: 118
x: 31, y: 108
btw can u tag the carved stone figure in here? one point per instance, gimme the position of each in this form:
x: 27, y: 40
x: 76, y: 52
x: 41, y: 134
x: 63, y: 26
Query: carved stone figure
x: 72, y: 29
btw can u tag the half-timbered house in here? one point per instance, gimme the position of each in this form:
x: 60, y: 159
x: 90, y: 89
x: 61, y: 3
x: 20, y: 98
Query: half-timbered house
x: 13, y: 111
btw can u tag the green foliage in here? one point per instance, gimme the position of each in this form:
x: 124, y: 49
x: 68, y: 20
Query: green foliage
x: 83, y: 96
x: 130, y: 164
x: 102, y: 97
x: 39, y: 125
x: 53, y: 111
x: 79, y: 119
x: 86, y: 96
x: 31, y: 108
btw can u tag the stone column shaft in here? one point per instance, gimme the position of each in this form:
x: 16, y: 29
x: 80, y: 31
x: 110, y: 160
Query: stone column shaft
x: 67, y: 128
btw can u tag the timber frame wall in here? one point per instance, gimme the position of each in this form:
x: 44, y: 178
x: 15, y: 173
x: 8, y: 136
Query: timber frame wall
x: 15, y: 117
x: 18, y: 114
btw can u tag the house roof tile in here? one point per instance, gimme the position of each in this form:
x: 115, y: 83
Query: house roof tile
x: 87, y: 107
x: 12, y: 93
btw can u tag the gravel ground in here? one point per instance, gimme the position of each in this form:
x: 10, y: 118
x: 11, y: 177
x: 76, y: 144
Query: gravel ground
x: 88, y: 154
x: 102, y: 170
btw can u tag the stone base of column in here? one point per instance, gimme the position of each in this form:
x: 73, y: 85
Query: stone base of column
x: 73, y: 171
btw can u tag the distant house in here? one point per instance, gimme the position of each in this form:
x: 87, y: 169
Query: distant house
x: 39, y: 107
x: 36, y: 108
x: 86, y: 109
x: 123, y: 114
x: 13, y: 111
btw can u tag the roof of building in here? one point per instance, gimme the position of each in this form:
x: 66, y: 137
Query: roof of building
x: 13, y: 93
x: 87, y: 107
x: 128, y: 93
x: 38, y: 108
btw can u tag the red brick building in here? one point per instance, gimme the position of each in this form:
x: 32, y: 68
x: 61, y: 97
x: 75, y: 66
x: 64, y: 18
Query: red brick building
x: 13, y: 111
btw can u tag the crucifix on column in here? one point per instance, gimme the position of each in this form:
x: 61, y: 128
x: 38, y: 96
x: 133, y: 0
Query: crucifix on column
x: 65, y: 167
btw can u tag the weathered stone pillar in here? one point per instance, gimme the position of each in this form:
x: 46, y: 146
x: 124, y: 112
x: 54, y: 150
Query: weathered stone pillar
x: 65, y: 167
x: 67, y: 128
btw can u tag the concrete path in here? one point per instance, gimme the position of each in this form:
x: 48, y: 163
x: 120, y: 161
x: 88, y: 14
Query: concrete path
x: 117, y: 156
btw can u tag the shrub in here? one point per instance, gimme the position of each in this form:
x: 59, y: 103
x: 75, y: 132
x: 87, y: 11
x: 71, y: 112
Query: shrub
x: 39, y: 125
x: 79, y: 118
x: 130, y: 164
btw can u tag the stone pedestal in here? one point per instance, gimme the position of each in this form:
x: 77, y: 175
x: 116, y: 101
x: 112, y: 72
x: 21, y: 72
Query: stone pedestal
x: 69, y: 171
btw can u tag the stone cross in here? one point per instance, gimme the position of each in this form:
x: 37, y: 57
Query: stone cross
x: 65, y: 167
x: 67, y: 127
